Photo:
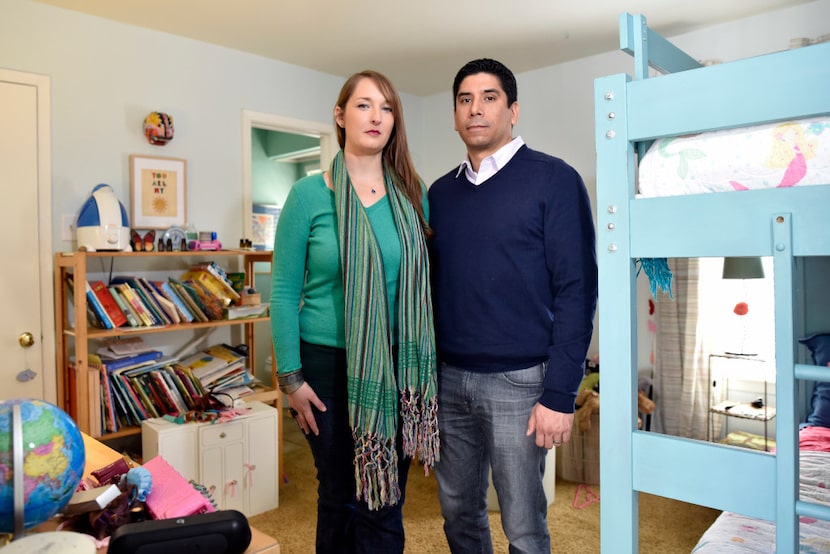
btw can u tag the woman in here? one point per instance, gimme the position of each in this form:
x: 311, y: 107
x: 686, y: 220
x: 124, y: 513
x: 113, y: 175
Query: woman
x: 351, y: 317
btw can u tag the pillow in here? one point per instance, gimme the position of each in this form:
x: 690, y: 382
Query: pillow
x: 819, y: 345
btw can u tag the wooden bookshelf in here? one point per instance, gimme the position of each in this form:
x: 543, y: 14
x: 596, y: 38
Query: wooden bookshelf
x: 74, y: 334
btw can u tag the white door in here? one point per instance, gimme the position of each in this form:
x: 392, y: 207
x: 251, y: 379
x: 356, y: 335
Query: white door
x: 27, y: 324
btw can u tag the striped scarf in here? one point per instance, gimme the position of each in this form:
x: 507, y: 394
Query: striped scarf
x: 375, y: 386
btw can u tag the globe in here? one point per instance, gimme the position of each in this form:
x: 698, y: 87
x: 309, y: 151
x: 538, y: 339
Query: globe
x: 53, y: 461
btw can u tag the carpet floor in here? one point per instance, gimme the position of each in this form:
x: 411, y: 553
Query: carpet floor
x: 666, y: 526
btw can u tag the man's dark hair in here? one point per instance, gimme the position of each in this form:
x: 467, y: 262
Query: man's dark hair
x: 493, y: 67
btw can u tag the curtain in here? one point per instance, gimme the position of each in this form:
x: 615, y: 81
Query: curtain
x: 681, y: 371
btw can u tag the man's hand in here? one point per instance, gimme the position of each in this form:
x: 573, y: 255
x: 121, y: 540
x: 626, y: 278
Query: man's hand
x: 300, y: 403
x: 551, y: 428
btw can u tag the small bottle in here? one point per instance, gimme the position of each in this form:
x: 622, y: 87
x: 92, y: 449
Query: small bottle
x: 191, y: 233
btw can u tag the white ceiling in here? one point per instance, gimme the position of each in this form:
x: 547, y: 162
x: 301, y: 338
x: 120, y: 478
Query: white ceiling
x: 419, y: 44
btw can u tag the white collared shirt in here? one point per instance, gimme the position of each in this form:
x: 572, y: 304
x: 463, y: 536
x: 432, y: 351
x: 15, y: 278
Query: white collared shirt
x: 491, y: 164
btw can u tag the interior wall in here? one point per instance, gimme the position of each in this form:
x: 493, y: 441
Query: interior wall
x: 107, y: 76
x: 270, y: 181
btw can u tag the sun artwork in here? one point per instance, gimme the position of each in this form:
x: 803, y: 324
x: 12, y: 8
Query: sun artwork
x: 160, y: 205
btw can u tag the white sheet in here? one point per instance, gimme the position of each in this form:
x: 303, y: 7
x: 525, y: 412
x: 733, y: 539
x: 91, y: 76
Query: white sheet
x: 793, y: 153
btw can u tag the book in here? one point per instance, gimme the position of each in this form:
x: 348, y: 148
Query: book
x: 246, y: 311
x: 208, y: 304
x: 176, y: 380
x: 145, y: 400
x: 126, y: 346
x: 193, y: 385
x: 125, y: 410
x: 170, y: 390
x: 165, y: 288
x: 100, y: 312
x: 131, y: 394
x: 109, y: 304
x: 135, y: 360
x: 156, y: 313
x: 207, y: 368
x: 169, y: 308
x: 224, y: 280
x: 233, y: 396
x: 225, y: 352
x: 132, y: 318
x: 132, y: 288
x: 98, y: 373
x: 161, y: 305
x: 138, y: 305
x: 209, y: 283
x: 181, y: 290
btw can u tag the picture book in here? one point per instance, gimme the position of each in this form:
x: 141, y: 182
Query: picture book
x: 109, y: 304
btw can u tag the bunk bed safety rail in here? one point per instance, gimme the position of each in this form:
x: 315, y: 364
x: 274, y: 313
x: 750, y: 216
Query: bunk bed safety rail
x: 649, y: 49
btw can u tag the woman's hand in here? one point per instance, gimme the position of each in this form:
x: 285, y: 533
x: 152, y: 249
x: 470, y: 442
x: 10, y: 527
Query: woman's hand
x: 300, y: 404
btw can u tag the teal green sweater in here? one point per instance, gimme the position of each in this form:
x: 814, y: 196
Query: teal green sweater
x: 307, y: 276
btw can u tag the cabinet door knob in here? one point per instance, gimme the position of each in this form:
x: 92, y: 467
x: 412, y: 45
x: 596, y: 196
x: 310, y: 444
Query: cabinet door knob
x: 222, y: 435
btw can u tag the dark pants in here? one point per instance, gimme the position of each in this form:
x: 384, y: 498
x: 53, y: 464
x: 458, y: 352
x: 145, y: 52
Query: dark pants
x: 344, y: 524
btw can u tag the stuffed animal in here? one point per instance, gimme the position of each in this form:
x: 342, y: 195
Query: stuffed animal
x: 587, y: 399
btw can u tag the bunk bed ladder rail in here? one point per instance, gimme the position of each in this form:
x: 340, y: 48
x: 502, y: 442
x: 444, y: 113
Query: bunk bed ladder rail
x: 788, y: 374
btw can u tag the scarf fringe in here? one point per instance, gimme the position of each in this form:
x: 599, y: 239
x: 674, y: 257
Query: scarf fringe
x: 376, y: 471
x: 420, y: 428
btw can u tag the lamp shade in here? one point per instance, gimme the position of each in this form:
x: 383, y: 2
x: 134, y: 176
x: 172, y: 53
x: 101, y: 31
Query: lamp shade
x: 743, y: 268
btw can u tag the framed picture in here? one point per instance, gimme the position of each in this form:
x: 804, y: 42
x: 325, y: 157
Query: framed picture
x: 157, y: 192
x: 264, y: 225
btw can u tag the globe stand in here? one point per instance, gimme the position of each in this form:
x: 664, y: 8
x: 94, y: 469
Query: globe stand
x: 17, y: 453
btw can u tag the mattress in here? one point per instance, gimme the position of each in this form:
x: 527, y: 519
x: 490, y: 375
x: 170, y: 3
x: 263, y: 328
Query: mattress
x: 783, y: 154
x: 736, y: 533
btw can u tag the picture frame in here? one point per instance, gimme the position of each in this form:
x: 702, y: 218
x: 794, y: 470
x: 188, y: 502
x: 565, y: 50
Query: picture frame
x: 158, y: 192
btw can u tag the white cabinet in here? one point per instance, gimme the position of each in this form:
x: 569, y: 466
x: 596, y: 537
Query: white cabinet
x: 237, y: 460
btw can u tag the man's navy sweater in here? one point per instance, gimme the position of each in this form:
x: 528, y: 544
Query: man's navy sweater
x: 515, y: 272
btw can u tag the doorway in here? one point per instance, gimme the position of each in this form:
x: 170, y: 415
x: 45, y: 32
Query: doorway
x: 274, y: 141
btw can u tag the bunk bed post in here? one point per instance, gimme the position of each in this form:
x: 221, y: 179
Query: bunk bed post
x: 617, y: 318
x: 787, y: 455
x: 634, y: 40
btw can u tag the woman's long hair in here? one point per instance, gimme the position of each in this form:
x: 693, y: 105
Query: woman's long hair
x: 396, y: 152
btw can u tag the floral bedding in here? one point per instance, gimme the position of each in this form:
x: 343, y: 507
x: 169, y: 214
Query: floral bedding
x: 732, y: 532
x: 784, y: 154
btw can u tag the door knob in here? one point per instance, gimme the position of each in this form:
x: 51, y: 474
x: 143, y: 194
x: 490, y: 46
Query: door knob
x: 26, y: 339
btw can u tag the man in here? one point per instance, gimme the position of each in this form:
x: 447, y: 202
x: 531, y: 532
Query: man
x: 515, y: 286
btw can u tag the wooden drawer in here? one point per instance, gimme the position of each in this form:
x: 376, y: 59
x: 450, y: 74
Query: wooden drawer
x: 212, y: 435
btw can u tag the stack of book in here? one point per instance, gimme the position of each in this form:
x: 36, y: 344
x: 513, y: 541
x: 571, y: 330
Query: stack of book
x: 135, y: 382
x: 222, y: 373
x: 204, y: 292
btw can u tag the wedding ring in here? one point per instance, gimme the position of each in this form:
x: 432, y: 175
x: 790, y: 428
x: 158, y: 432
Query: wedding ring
x: 557, y: 443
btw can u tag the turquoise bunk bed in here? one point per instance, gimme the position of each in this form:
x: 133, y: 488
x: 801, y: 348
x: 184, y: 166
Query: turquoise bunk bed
x: 788, y: 223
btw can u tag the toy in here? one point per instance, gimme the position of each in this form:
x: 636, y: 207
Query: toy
x: 587, y: 399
